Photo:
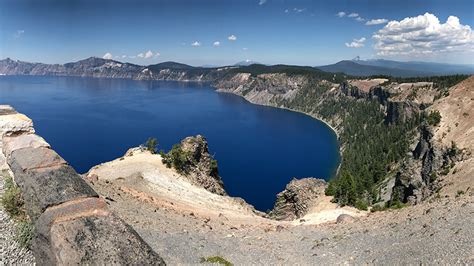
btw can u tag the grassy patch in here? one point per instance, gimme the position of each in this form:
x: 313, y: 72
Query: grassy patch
x: 12, y: 200
x: 13, y: 203
x: 24, y: 233
x: 216, y: 260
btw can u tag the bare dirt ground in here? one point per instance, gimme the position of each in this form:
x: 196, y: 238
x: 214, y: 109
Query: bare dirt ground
x: 366, y: 84
x: 440, y: 232
x: 184, y: 223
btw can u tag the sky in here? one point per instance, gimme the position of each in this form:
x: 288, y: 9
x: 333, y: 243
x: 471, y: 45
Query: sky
x: 220, y: 32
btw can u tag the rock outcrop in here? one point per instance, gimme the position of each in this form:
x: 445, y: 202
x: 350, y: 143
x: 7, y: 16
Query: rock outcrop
x: 72, y: 224
x: 297, y: 198
x: 201, y: 168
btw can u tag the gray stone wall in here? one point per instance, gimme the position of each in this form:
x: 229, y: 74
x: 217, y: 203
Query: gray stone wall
x: 72, y: 223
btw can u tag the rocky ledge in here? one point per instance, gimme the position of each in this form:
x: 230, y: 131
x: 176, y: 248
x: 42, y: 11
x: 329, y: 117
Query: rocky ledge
x: 298, y: 197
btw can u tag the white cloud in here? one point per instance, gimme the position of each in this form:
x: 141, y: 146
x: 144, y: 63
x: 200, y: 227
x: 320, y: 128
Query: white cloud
x: 196, y: 43
x: 286, y: 10
x: 148, y: 54
x: 353, y: 15
x: 423, y: 35
x: 245, y: 48
x: 107, y: 56
x: 216, y: 43
x: 19, y: 33
x: 376, y: 21
x: 232, y: 37
x: 157, y: 54
x: 262, y: 2
x: 124, y: 56
x: 299, y: 10
x: 141, y: 55
x: 356, y: 43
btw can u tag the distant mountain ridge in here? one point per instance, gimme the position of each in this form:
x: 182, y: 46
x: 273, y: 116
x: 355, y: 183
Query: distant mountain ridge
x: 247, y: 63
x: 357, y: 67
x: 108, y: 68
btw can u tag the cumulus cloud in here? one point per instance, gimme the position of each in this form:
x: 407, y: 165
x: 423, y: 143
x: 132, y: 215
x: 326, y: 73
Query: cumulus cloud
x: 216, y: 43
x: 124, y: 56
x: 148, y: 54
x: 353, y: 15
x: 195, y: 44
x: 356, y: 43
x: 262, y: 2
x: 107, y: 56
x: 376, y: 21
x: 232, y: 37
x: 423, y: 35
x: 360, y: 19
x: 141, y: 55
x: 341, y: 14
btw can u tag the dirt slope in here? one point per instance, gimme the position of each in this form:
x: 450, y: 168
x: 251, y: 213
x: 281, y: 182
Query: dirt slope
x: 457, y: 125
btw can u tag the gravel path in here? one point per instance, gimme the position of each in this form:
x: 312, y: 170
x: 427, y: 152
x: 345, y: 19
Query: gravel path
x: 10, y: 251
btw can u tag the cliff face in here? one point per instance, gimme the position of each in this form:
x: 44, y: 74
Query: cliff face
x: 442, y: 153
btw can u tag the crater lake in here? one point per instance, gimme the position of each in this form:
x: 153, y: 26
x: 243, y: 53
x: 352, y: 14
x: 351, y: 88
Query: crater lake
x: 259, y: 149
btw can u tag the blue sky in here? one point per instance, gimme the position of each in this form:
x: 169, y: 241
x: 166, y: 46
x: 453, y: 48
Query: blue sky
x: 271, y: 31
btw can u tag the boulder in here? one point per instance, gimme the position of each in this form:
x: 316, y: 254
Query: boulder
x: 345, y: 218
x: 34, y: 158
x: 12, y: 143
x: 85, y: 232
x: 297, y: 198
x: 47, y: 187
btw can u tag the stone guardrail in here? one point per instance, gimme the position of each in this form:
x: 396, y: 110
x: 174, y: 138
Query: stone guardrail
x: 72, y: 223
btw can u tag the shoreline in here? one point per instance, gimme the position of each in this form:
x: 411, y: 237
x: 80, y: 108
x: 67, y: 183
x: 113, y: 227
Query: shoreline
x: 340, y: 147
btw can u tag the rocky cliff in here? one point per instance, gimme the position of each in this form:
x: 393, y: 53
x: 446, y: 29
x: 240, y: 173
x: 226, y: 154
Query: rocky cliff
x: 297, y: 199
x: 107, y: 68
x: 441, y: 150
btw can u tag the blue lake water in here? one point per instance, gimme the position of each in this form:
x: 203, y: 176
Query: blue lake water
x: 259, y: 149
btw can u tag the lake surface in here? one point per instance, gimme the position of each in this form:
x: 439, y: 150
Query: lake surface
x: 259, y: 149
